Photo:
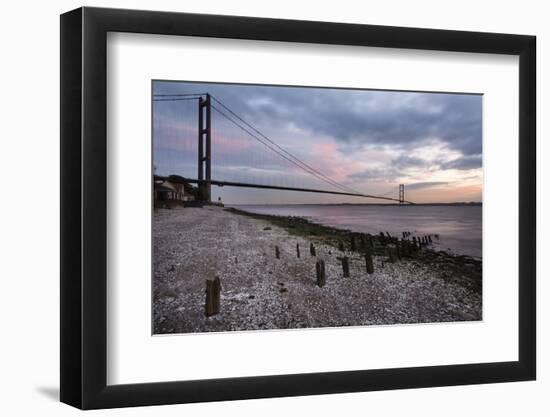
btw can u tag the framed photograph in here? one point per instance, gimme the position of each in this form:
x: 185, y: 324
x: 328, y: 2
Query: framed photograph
x: 257, y: 208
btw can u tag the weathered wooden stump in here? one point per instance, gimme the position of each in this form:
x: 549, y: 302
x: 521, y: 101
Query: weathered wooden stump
x: 345, y: 266
x: 369, y: 263
x: 398, y: 251
x: 277, y: 252
x: 297, y: 250
x: 321, y: 275
x: 414, y: 243
x: 341, y: 246
x: 406, y: 248
x: 312, y: 249
x: 212, y: 297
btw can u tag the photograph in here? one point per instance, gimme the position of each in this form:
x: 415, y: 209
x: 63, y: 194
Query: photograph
x: 293, y: 207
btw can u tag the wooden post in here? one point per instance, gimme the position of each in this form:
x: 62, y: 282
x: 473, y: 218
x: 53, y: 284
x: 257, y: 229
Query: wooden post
x: 297, y: 250
x: 341, y: 246
x: 212, y: 297
x: 430, y: 238
x: 405, y: 248
x: 398, y: 250
x: 345, y: 266
x: 352, y: 243
x: 368, y: 262
x: 391, y: 257
x: 277, y: 253
x: 312, y: 249
x: 321, y: 276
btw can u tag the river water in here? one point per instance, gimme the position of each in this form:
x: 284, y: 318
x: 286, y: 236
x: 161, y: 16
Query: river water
x: 459, y: 227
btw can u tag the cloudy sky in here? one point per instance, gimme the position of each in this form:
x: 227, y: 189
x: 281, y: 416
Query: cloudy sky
x: 369, y: 141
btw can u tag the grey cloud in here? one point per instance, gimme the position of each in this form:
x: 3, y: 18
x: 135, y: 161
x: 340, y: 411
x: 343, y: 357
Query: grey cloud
x: 404, y: 161
x: 422, y: 185
x: 464, y: 163
x: 387, y: 174
x: 355, y: 117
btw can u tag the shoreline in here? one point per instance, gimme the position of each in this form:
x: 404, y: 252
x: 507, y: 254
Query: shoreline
x: 333, y: 236
x: 260, y: 291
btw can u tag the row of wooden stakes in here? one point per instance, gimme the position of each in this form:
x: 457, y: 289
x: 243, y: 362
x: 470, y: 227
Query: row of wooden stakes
x: 402, y: 249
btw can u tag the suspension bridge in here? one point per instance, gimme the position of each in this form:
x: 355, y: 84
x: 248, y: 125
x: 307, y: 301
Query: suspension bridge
x: 232, y: 152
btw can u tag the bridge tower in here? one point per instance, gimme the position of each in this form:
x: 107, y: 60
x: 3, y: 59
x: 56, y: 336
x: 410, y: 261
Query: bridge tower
x: 401, y: 194
x: 205, y: 150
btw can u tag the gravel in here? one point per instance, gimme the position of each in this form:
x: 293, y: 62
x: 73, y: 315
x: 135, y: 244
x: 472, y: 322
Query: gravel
x: 259, y: 291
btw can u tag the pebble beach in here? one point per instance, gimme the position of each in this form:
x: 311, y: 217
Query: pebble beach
x: 260, y: 291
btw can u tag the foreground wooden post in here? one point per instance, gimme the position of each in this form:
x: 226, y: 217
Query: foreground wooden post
x: 297, y: 250
x: 312, y: 249
x: 368, y: 262
x: 321, y: 276
x: 345, y: 266
x: 277, y: 253
x: 212, y: 297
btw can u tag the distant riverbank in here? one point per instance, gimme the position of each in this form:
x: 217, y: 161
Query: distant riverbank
x: 261, y: 291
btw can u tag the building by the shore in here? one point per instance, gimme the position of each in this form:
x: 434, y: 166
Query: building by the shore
x: 172, y: 190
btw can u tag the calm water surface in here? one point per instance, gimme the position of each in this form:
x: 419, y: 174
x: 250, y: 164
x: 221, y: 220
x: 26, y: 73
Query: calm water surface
x: 459, y: 227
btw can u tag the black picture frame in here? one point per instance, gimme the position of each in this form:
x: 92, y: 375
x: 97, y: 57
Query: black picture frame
x: 84, y: 207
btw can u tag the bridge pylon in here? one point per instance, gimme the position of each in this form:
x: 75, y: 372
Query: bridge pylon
x: 205, y: 149
x: 401, y: 194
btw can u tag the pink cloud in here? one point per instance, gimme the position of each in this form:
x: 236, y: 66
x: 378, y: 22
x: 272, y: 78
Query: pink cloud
x: 326, y: 158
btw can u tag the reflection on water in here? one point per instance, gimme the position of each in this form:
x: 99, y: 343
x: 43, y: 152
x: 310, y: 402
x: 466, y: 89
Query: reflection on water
x: 459, y: 227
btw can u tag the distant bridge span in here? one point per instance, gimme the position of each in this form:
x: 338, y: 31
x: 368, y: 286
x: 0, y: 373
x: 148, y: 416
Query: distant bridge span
x: 304, y: 190
x: 204, y: 179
